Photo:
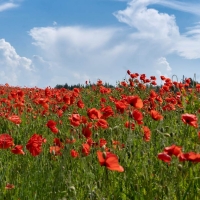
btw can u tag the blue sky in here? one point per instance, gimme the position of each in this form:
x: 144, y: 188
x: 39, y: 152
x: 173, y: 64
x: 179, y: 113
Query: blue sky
x: 44, y: 43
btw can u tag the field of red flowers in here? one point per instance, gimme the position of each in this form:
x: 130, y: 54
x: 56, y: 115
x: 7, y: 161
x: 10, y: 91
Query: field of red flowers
x: 133, y: 141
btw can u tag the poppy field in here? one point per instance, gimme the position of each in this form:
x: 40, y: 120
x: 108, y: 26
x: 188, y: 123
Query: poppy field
x: 133, y: 141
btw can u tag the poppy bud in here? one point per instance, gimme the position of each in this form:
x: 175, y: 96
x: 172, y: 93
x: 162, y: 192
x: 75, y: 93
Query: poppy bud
x: 104, y: 155
x: 180, y: 167
x: 162, y: 129
x: 103, y: 147
x: 167, y: 135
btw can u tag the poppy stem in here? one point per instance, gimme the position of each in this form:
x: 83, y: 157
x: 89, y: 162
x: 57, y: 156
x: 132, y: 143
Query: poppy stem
x: 106, y: 182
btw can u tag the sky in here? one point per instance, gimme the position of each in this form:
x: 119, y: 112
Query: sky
x: 45, y: 43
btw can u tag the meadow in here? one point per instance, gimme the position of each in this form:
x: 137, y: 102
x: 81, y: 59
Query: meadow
x: 131, y: 142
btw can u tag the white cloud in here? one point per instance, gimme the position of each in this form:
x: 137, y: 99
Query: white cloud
x: 162, y: 67
x: 182, y: 6
x: 74, y: 53
x: 14, y: 69
x: 7, y: 6
x: 77, y: 52
x: 148, y: 22
x: 161, y: 28
x: 188, y: 44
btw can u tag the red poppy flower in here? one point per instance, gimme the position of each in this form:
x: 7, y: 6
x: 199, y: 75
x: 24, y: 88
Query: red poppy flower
x: 57, y: 142
x: 99, y: 82
x: 142, y: 76
x: 123, y: 83
x: 54, y: 129
x: 85, y: 149
x: 135, y: 75
x: 70, y: 141
x: 105, y: 90
x: 135, y: 101
x: 93, y: 113
x: 74, y: 153
x: 162, y: 78
x: 52, y: 125
x: 190, y: 119
x: 102, y: 142
x: 153, y: 83
x: 109, y: 160
x: 15, y: 119
x: 75, y: 119
x: 153, y: 78
x: 6, y: 141
x: 80, y: 104
x: 173, y: 150
x: 34, y: 144
x: 9, y: 186
x: 137, y: 115
x: 55, y: 150
x: 116, y: 144
x: 147, y: 133
x: 164, y: 157
x: 129, y: 125
x: 120, y: 106
x: 168, y: 107
x: 102, y: 123
x: 159, y: 99
x: 18, y: 149
x: 86, y: 131
x: 60, y: 112
x: 191, y: 156
x: 156, y: 115
x: 107, y: 112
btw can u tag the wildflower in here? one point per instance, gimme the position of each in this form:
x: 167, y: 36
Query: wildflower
x: 102, y: 142
x: 75, y: 119
x: 74, y: 153
x: 162, y: 78
x: 128, y: 72
x: 57, y: 142
x: 18, y: 149
x: 190, y: 119
x: 102, y: 123
x: 137, y: 115
x: 147, y: 134
x: 85, y: 149
x: 70, y: 141
x: 55, y: 150
x: 80, y: 104
x: 164, y: 157
x: 173, y: 150
x: 130, y: 125
x: 93, y: 113
x: 15, y: 119
x: 107, y: 112
x: 109, y: 160
x: 153, y: 78
x: 191, y: 156
x: 120, y: 106
x: 9, y: 186
x: 135, y: 101
x: 86, y: 131
x: 156, y: 115
x: 34, y: 144
x: 52, y: 125
x: 6, y: 141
